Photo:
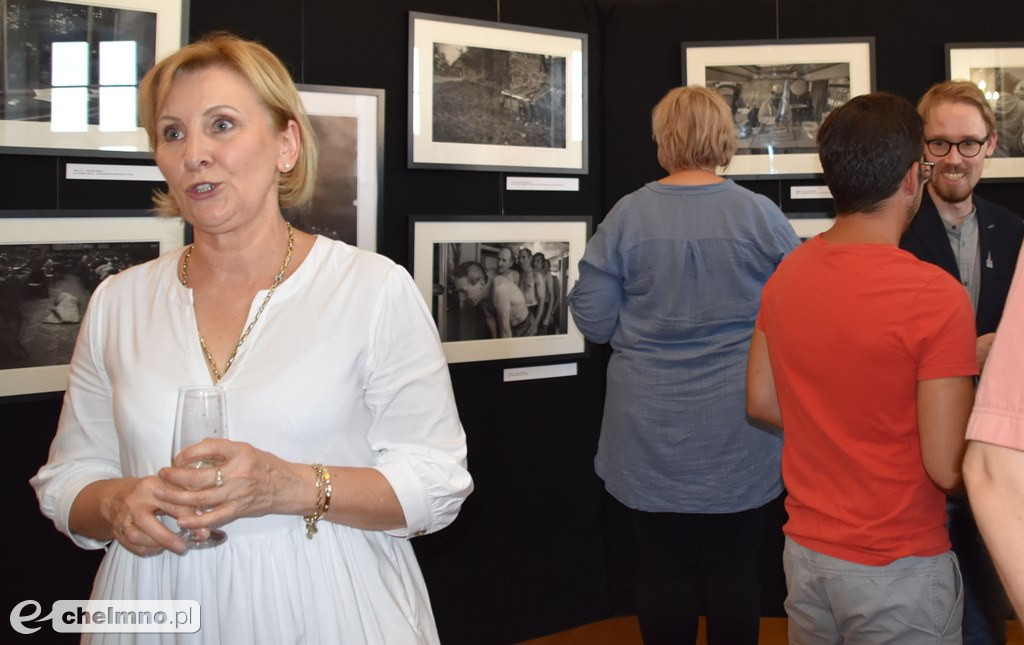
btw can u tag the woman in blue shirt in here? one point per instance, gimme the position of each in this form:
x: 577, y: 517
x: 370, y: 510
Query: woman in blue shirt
x: 672, y: 279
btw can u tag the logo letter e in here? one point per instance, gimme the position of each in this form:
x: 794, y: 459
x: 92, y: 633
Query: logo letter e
x: 18, y: 621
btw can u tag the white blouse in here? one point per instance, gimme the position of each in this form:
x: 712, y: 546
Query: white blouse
x: 345, y: 368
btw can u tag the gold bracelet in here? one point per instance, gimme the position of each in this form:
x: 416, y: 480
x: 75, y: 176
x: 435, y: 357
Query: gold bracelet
x: 327, y: 491
x: 323, y: 499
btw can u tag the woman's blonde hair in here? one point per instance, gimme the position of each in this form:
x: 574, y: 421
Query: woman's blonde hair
x: 267, y: 76
x: 693, y: 127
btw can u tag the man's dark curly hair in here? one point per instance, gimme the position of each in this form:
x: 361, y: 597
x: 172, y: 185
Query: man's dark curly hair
x: 866, y: 146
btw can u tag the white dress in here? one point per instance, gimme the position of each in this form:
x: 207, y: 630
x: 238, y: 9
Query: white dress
x: 345, y: 368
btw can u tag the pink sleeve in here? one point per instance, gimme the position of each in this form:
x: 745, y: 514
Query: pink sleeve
x: 998, y: 416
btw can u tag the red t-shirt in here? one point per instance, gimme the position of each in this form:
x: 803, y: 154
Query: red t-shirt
x: 851, y: 329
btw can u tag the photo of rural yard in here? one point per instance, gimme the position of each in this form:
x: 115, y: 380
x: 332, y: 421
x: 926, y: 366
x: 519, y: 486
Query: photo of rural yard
x: 497, y: 97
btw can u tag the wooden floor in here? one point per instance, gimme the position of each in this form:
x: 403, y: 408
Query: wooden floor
x: 625, y: 631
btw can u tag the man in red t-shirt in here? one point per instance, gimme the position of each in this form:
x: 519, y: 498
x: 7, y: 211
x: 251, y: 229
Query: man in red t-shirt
x: 865, y: 356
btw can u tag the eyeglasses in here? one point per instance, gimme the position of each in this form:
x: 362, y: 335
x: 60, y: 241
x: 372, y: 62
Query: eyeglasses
x: 966, y: 148
x: 924, y: 170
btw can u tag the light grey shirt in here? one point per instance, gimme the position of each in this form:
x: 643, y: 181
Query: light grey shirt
x: 963, y: 239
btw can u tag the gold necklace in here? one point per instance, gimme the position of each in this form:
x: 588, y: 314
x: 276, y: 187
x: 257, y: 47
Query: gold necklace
x: 217, y: 375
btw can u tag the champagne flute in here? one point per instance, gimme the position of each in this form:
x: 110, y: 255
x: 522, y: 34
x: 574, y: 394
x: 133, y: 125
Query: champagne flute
x: 201, y: 414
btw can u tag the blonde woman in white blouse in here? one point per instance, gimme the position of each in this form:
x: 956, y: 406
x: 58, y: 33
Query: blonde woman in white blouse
x: 327, y: 354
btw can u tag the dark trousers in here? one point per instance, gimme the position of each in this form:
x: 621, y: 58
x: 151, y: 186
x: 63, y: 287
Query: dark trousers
x: 692, y: 561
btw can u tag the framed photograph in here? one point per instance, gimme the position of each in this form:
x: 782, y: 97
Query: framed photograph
x: 71, y: 70
x: 497, y: 285
x: 780, y: 91
x: 491, y: 96
x: 998, y: 71
x: 49, y: 267
x: 349, y: 126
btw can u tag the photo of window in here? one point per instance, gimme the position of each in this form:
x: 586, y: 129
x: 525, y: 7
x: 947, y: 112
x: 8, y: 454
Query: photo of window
x: 71, y: 71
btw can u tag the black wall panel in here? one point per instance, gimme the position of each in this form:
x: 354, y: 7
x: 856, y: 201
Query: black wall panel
x: 29, y: 181
x: 278, y: 24
x: 39, y: 563
x: 539, y: 547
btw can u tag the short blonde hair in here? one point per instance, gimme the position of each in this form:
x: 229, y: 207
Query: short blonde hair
x: 693, y: 127
x: 957, y: 92
x: 267, y: 76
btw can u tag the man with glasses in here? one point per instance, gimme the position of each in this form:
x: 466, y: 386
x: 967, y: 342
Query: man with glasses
x: 977, y: 242
x: 974, y: 240
x: 865, y: 357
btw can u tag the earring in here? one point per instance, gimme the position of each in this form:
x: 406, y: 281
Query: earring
x: 287, y: 167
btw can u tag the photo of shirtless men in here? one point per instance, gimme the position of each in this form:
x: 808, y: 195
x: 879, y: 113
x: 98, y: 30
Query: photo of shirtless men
x: 486, y: 290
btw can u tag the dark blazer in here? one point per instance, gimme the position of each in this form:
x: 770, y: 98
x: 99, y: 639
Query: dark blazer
x: 1000, y: 233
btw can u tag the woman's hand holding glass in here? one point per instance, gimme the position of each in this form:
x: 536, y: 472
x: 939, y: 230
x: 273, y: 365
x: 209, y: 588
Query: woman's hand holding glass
x: 132, y: 511
x: 201, y: 416
x: 220, y: 480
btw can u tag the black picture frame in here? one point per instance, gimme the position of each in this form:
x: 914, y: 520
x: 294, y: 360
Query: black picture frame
x: 33, y: 362
x: 992, y: 66
x: 30, y: 90
x: 492, y: 96
x: 440, y: 243
x: 348, y: 197
x: 802, y: 80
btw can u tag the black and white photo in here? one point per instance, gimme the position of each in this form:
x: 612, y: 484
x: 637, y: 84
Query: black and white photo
x: 779, y: 108
x: 33, y: 33
x: 44, y: 289
x: 492, y: 96
x: 499, y: 289
x: 780, y: 92
x: 998, y: 71
x: 1004, y: 89
x: 349, y: 126
x: 71, y: 70
x: 49, y: 268
x: 496, y: 286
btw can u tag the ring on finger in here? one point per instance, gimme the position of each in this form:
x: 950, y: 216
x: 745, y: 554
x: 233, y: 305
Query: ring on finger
x: 220, y: 479
x: 126, y: 525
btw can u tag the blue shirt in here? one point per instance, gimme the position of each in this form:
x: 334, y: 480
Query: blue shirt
x: 672, y: 279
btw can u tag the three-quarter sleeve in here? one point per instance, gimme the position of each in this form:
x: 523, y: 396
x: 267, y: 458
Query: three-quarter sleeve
x: 85, y: 448
x: 416, y: 432
x: 597, y: 296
